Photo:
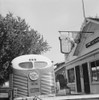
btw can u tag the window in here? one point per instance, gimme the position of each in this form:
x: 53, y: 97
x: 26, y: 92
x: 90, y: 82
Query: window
x: 71, y: 75
x: 26, y: 65
x: 40, y: 64
x: 95, y: 70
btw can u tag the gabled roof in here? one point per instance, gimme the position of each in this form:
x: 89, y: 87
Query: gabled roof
x: 95, y: 19
x: 59, y: 64
x: 80, y: 35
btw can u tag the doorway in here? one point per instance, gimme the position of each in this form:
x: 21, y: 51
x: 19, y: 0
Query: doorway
x: 61, y: 80
x: 86, y: 78
x: 78, y: 80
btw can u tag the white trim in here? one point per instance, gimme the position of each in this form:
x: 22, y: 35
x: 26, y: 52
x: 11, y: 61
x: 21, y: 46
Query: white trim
x: 70, y: 97
x: 79, y: 58
x: 93, y: 21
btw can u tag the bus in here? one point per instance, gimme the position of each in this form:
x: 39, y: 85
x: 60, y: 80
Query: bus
x: 32, y: 75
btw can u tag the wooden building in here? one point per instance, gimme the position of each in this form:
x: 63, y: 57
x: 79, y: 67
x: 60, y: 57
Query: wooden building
x: 82, y: 63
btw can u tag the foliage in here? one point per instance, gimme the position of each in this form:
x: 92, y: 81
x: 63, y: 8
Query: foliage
x: 17, y: 38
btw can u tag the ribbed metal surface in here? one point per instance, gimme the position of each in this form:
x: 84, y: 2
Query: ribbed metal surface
x: 47, y: 83
x: 20, y: 82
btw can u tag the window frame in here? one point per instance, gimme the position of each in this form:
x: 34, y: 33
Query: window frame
x: 68, y: 74
x: 93, y: 81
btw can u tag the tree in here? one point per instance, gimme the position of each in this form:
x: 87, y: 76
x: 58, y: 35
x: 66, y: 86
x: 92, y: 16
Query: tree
x: 17, y: 38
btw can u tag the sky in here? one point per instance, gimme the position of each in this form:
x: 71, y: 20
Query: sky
x: 50, y: 16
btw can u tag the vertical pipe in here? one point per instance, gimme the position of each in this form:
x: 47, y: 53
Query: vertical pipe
x: 83, y: 8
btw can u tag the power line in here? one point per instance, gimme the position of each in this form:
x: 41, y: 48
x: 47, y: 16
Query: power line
x: 76, y: 31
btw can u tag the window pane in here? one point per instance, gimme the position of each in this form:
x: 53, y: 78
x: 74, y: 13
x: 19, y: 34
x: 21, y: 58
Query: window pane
x: 40, y: 64
x: 97, y: 64
x: 71, y: 76
x: 93, y: 64
x: 93, y: 71
x: 98, y: 73
x: 26, y: 65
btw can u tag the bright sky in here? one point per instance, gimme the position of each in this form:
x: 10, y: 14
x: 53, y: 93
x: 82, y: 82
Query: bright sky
x: 50, y: 16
